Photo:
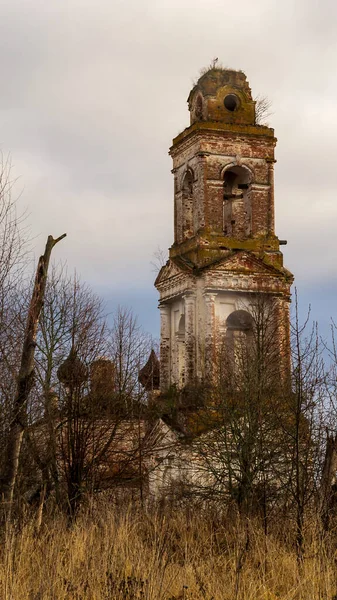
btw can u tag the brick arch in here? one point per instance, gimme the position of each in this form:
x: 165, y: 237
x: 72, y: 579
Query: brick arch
x: 188, y: 172
x: 233, y: 165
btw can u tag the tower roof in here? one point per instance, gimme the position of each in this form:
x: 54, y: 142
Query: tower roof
x: 149, y: 374
x: 222, y: 95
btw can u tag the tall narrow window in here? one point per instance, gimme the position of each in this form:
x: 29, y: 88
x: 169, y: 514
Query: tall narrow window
x: 239, y: 332
x: 237, y: 210
x: 187, y: 205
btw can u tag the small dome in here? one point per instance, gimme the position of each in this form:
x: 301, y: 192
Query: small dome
x: 222, y: 95
x: 72, y: 371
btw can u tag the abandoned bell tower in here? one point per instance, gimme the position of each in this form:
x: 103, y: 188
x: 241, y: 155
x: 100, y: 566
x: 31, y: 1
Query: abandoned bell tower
x: 225, y: 250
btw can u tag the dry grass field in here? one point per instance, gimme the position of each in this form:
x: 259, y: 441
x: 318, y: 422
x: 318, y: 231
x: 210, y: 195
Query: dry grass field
x: 127, y: 555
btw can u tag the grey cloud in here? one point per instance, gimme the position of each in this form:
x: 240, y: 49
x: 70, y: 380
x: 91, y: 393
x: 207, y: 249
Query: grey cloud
x: 94, y: 92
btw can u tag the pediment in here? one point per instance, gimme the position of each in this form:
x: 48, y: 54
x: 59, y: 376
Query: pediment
x: 172, y: 269
x: 244, y: 262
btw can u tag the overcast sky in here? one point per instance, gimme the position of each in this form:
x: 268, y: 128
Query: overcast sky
x: 93, y: 91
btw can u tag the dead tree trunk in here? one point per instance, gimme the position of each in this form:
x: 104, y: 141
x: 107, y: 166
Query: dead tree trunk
x: 328, y: 477
x: 25, y: 378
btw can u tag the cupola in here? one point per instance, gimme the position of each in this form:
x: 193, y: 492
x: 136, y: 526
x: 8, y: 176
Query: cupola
x: 222, y: 95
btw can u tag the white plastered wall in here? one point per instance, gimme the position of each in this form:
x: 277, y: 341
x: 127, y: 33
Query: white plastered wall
x: 212, y: 308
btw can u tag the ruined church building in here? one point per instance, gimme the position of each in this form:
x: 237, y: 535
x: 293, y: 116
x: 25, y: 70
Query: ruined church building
x: 225, y: 251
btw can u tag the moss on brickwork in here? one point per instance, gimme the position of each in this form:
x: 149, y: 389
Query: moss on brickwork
x: 206, y: 243
x: 223, y: 128
x: 196, y: 255
x: 222, y: 95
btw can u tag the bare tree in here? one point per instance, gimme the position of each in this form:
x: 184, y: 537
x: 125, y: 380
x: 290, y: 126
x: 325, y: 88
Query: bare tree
x: 13, y: 255
x: 87, y: 428
x: 73, y: 334
x: 262, y: 110
x: 301, y: 427
x: 257, y: 439
x: 13, y: 243
x: 326, y: 491
x: 129, y: 348
x: 159, y: 259
x: 327, y: 497
x: 240, y: 448
x: 25, y: 376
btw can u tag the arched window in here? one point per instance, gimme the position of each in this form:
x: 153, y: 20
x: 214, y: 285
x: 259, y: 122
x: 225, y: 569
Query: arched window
x: 240, y: 320
x: 187, y: 205
x: 239, y: 332
x: 237, y: 209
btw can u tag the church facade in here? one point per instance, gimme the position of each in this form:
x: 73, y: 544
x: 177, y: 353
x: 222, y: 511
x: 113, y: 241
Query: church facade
x: 225, y: 252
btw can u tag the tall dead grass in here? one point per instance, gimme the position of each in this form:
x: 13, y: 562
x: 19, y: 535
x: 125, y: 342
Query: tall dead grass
x: 119, y: 554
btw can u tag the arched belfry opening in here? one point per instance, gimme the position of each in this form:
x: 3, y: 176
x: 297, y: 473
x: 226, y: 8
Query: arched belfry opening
x: 237, y: 205
x: 187, y: 205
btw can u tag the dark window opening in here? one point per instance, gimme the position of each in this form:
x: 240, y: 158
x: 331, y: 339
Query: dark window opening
x: 237, y: 208
x: 231, y: 102
x: 240, y: 320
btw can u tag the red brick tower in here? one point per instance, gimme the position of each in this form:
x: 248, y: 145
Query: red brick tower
x: 225, y: 250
